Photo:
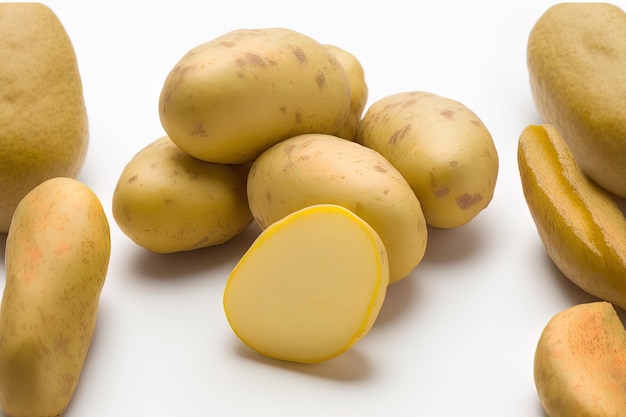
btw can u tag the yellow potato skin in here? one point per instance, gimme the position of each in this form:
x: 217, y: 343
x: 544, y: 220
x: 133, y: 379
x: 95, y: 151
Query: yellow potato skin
x: 325, y: 169
x: 358, y: 90
x: 229, y: 99
x: 576, y: 57
x: 167, y: 201
x: 441, y: 147
x: 43, y: 120
x: 57, y: 255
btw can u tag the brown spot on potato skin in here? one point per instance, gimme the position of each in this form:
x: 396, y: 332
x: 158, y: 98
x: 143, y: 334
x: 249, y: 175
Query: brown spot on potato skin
x: 300, y: 55
x: 380, y: 168
x: 466, y: 200
x: 199, y: 130
x: 448, y: 114
x: 132, y: 179
x: 399, y: 134
x: 320, y: 80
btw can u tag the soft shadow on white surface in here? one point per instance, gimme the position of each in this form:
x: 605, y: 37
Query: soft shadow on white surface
x: 450, y: 245
x: 349, y: 366
x: 3, y: 246
x: 399, y: 299
x: 152, y: 265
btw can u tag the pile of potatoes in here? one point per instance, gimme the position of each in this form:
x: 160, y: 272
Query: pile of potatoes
x: 264, y: 123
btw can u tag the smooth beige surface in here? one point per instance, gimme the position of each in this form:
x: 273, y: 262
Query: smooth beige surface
x: 310, y: 286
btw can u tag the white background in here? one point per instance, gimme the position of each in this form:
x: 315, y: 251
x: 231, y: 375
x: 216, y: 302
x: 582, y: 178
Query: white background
x: 456, y: 338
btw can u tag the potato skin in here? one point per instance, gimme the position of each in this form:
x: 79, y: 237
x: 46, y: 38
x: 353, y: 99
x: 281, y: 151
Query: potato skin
x: 441, y: 147
x: 229, y: 99
x: 358, y: 90
x: 57, y: 254
x: 325, y: 169
x: 168, y: 201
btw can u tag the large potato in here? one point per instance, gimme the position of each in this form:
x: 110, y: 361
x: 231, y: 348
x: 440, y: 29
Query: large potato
x: 441, y: 147
x: 168, y: 201
x: 323, y: 169
x: 229, y: 99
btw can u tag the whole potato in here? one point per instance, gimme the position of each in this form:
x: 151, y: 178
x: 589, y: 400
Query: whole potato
x: 441, y: 147
x: 57, y: 256
x: 324, y: 169
x: 229, y: 99
x: 168, y: 201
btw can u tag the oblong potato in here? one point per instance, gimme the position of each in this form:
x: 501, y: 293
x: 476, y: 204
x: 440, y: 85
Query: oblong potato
x: 167, y: 201
x: 441, y: 147
x: 57, y: 257
x: 229, y: 99
x: 310, y: 286
x: 325, y: 169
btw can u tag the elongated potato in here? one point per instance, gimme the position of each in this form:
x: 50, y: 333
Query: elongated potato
x: 168, y: 201
x: 57, y: 255
x: 324, y: 169
x: 229, y: 99
x: 310, y: 286
x: 441, y: 147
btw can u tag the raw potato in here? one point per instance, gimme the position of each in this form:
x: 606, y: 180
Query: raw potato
x: 358, y: 90
x: 579, y: 223
x: 57, y: 256
x: 317, y: 169
x: 580, y: 362
x: 168, y: 201
x: 229, y: 99
x: 43, y: 120
x: 309, y: 287
x: 441, y: 147
x: 577, y: 77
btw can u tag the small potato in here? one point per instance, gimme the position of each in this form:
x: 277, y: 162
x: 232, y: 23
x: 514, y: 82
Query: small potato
x: 441, y: 147
x: 358, y: 89
x: 325, y: 169
x: 168, y: 201
x: 229, y: 99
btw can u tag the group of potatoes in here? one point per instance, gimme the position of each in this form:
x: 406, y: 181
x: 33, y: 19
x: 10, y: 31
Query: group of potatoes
x: 264, y: 123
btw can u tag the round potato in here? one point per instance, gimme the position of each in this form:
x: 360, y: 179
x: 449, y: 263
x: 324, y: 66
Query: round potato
x: 168, y: 201
x: 324, y: 169
x: 441, y: 147
x: 229, y: 99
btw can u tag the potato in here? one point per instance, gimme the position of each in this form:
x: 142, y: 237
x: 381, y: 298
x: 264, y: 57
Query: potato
x: 358, y: 90
x: 324, y: 169
x: 167, y: 201
x: 441, y: 147
x: 229, y: 99
x: 310, y: 286
x: 57, y: 255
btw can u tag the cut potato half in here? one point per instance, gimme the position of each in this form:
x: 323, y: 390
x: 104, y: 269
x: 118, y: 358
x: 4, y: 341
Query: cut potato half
x: 310, y: 286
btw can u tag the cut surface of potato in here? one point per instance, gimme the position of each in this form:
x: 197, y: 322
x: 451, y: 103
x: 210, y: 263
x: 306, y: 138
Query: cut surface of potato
x: 309, y: 287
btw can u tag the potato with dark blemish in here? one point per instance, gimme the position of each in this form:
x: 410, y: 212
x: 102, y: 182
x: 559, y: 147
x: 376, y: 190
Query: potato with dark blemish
x: 325, y: 169
x: 441, y: 147
x: 167, y: 201
x: 230, y: 98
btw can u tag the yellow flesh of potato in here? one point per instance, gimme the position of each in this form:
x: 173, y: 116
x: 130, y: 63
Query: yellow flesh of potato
x: 309, y: 287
